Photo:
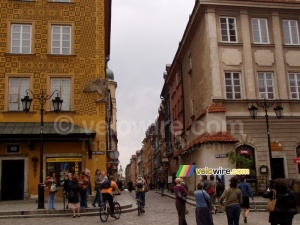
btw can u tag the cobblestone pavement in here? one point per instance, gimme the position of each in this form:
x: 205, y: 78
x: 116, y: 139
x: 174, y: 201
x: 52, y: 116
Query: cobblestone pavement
x: 159, y: 210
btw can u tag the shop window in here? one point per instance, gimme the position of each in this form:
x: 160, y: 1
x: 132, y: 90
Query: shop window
x: 63, y: 166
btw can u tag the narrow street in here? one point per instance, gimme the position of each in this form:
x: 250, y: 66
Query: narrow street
x: 159, y: 210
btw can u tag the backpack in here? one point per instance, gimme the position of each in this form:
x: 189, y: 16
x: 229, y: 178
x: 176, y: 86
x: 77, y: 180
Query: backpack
x: 106, y: 184
x: 139, y: 183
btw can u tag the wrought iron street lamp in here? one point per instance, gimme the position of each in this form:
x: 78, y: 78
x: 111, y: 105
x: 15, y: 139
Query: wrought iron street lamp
x: 57, y: 103
x: 265, y: 105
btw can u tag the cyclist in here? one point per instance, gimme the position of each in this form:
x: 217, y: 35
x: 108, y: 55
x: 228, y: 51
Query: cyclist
x: 107, y: 193
x: 140, y: 187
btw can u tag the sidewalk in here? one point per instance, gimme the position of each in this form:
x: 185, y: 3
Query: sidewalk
x: 28, y: 208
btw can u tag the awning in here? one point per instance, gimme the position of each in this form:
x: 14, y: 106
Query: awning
x: 297, y: 160
x: 52, y: 132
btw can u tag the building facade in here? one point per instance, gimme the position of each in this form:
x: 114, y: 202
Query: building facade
x: 52, y: 49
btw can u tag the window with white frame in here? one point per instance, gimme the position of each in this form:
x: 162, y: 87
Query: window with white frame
x: 290, y: 32
x: 21, y: 38
x: 260, y: 30
x: 61, y: 40
x: 233, y: 85
x: 63, y: 85
x: 266, y: 85
x: 294, y: 85
x: 228, y: 29
x: 17, y: 88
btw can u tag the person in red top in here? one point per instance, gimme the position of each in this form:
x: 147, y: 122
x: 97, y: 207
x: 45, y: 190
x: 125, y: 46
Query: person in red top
x: 50, y: 180
x: 180, y: 205
x: 107, y: 193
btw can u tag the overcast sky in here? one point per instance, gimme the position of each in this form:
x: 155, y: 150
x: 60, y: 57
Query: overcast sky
x: 145, y: 35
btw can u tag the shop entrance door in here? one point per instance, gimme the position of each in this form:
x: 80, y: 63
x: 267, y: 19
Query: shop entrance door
x: 278, y: 168
x: 12, y: 182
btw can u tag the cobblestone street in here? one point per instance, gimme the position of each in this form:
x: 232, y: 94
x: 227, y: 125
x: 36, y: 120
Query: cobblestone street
x: 159, y: 210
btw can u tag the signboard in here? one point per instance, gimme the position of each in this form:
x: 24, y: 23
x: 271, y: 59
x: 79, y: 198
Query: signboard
x: 221, y: 155
x: 276, y: 146
x: 98, y: 153
x: 64, y: 160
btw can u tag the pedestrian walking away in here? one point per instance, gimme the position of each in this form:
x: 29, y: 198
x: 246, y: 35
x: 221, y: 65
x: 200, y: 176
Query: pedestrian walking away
x: 233, y: 199
x: 246, y: 193
x: 97, y: 181
x: 285, y: 207
x: 202, y: 211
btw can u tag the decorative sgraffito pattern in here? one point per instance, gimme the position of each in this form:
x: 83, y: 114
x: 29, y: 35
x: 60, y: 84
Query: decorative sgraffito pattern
x: 86, y: 62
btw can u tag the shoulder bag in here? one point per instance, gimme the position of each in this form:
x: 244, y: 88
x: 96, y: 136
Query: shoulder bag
x: 271, y: 203
x: 181, y: 197
x: 53, y: 187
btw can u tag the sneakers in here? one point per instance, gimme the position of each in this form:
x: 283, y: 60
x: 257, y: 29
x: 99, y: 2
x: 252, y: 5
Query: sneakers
x: 143, y: 210
x: 94, y: 205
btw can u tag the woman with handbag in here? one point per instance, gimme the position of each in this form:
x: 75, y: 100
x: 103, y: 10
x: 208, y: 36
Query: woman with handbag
x: 202, y: 211
x: 233, y: 198
x: 285, y: 203
x: 50, y: 183
x: 180, y: 194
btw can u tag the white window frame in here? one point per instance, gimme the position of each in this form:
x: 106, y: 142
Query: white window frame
x: 294, y: 81
x: 288, y: 30
x: 260, y: 30
x: 21, y: 38
x: 17, y: 87
x: 226, y: 33
x: 233, y: 84
x: 266, y: 85
x: 60, y: 35
x: 63, y: 85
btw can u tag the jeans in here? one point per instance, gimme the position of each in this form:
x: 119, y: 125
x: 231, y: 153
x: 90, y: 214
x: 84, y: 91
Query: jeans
x: 233, y: 214
x: 98, y: 197
x: 142, y: 194
x: 83, y: 198
x: 51, y: 200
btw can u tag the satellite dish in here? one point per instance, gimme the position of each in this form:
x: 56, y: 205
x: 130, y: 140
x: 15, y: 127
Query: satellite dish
x: 114, y: 154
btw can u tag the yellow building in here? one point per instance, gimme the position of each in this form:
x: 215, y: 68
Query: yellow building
x: 57, y: 47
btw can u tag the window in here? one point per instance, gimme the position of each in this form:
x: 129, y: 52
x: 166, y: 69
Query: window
x: 61, y: 40
x: 265, y: 85
x: 233, y: 85
x: 63, y: 85
x: 228, y: 29
x: 17, y: 90
x: 295, y: 85
x: 21, y: 38
x: 260, y: 30
x: 290, y: 32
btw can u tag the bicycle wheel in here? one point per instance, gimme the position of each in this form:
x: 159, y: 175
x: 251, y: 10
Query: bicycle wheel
x: 117, y: 210
x: 103, y: 213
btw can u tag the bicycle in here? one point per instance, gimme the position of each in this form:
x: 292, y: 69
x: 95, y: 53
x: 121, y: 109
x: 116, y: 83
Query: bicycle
x: 105, y: 210
x: 140, y: 208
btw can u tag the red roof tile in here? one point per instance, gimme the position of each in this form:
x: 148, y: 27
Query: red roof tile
x: 215, y: 137
x: 216, y: 107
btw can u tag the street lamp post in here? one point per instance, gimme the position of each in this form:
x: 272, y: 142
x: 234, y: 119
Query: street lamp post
x: 57, y: 103
x: 265, y: 105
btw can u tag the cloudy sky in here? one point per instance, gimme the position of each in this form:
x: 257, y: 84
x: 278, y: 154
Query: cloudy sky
x: 144, y: 38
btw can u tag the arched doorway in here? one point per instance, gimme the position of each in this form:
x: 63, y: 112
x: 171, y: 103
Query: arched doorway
x: 247, y: 152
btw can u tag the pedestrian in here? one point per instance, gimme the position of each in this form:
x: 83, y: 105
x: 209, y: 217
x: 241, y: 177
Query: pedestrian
x: 233, y: 199
x: 219, y: 190
x: 84, y: 183
x: 285, y: 207
x: 50, y: 180
x: 130, y: 186
x: 213, y: 195
x: 210, y: 188
x: 246, y: 193
x: 179, y: 190
x: 120, y: 184
x: 97, y: 181
x: 187, y: 190
x: 202, y: 211
x: 140, y: 190
x: 66, y: 187
x: 73, y: 195
x: 161, y: 185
